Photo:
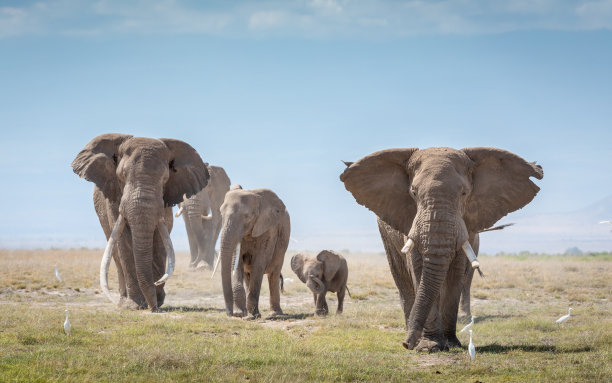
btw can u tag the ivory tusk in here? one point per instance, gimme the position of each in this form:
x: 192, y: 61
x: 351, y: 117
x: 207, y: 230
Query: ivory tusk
x: 469, y: 252
x: 165, y: 236
x: 179, y: 212
x: 237, y: 259
x: 108, y: 254
x: 408, y: 246
x: 215, y: 268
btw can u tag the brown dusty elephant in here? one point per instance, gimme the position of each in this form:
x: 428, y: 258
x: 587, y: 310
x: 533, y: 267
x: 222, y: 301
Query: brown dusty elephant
x: 328, y: 271
x: 256, y: 227
x: 137, y: 181
x: 430, y: 206
x: 203, y: 218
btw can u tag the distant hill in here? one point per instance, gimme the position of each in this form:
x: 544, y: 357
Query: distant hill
x: 555, y: 233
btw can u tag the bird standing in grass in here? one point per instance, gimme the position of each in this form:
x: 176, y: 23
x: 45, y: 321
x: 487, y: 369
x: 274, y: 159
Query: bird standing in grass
x: 57, y: 274
x: 471, y: 348
x: 67, y: 325
x: 564, y: 317
x: 469, y: 325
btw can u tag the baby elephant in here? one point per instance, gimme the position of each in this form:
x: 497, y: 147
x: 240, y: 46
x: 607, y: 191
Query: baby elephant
x: 327, y: 272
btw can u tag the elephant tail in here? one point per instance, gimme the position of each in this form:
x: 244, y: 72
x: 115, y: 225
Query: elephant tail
x: 282, y: 284
x: 348, y: 291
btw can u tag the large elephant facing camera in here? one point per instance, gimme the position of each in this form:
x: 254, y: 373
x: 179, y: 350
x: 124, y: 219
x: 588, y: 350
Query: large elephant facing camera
x: 137, y: 181
x: 256, y: 227
x: 202, y: 216
x: 430, y: 206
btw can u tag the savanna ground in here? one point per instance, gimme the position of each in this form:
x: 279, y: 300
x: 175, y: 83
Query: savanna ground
x: 515, y: 333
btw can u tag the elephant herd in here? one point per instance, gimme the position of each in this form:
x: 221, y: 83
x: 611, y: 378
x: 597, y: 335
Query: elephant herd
x: 430, y: 206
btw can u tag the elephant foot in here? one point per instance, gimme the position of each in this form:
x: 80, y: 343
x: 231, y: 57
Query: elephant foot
x: 452, y: 342
x: 131, y: 304
x: 321, y: 313
x: 431, y: 345
x: 240, y: 314
x: 275, y: 314
x: 253, y: 316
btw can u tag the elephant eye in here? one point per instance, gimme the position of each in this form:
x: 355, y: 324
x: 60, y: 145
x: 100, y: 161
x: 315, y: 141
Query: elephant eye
x: 171, y: 166
x: 115, y: 159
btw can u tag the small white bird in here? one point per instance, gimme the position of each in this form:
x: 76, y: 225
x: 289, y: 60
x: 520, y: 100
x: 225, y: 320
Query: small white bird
x: 288, y: 280
x: 564, y: 317
x: 471, y: 348
x: 57, y: 274
x: 469, y: 325
x: 67, y: 325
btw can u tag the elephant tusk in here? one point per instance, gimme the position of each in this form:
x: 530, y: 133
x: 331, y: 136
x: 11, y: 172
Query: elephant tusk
x: 108, y: 254
x: 165, y: 236
x: 469, y: 252
x: 216, y: 265
x: 237, y: 259
x: 179, y: 212
x: 408, y: 246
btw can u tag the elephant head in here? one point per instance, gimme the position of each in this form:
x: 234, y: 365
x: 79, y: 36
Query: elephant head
x: 318, y: 271
x: 438, y: 197
x: 142, y: 176
x: 246, y: 214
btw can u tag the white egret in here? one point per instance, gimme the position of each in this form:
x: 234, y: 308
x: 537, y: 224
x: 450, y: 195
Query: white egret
x: 564, y: 317
x: 67, y: 325
x: 57, y: 274
x: 471, y: 348
x: 469, y: 325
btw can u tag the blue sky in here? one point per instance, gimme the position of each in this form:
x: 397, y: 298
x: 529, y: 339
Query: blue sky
x: 278, y: 92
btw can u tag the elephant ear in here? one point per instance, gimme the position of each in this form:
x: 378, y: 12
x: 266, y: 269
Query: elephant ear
x: 97, y: 163
x: 500, y: 184
x: 331, y: 263
x: 188, y: 173
x: 381, y: 183
x: 297, y: 265
x: 267, y: 217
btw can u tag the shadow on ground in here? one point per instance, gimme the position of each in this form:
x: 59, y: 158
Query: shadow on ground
x: 499, y: 349
x: 170, y: 309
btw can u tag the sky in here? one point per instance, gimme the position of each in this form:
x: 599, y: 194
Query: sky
x: 279, y: 92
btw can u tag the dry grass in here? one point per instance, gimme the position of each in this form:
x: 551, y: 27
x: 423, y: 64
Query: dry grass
x: 515, y: 334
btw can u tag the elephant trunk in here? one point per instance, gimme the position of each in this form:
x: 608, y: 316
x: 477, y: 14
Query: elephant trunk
x: 231, y: 237
x: 315, y: 284
x: 437, y: 236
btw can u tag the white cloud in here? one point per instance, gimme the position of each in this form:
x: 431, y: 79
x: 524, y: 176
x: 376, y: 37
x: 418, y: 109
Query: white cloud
x: 303, y: 18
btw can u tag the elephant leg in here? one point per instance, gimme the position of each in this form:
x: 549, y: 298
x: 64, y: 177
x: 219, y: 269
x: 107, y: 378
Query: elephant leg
x: 274, y: 287
x: 252, y: 304
x: 449, y: 299
x: 322, y: 308
x: 193, y: 243
x: 159, y: 266
x: 238, y: 289
x: 465, y: 313
x: 206, y: 243
x: 340, y: 294
x: 392, y: 241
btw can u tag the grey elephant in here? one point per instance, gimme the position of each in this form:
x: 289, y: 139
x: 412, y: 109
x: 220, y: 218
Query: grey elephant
x: 430, y: 206
x: 256, y: 227
x: 328, y: 271
x: 203, y: 218
x: 137, y: 181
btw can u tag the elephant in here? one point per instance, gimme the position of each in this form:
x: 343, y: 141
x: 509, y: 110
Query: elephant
x: 328, y: 271
x: 256, y: 227
x: 137, y: 181
x: 203, y: 218
x: 430, y: 205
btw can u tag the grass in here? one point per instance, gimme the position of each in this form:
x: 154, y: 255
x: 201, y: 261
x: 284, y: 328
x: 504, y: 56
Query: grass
x: 192, y: 339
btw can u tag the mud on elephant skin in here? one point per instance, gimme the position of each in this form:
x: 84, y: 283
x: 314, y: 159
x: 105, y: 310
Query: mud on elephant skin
x: 202, y: 216
x: 256, y: 227
x: 327, y: 271
x: 137, y: 181
x: 430, y: 206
